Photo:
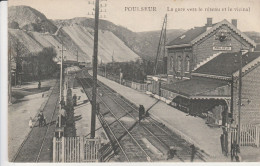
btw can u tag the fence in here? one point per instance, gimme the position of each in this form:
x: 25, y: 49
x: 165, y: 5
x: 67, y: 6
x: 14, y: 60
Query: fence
x: 138, y: 86
x: 75, y: 149
x: 131, y: 84
x: 249, y: 135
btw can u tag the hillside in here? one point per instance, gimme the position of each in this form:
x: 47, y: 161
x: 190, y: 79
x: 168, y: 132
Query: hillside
x: 148, y: 41
x: 27, y: 18
x: 142, y: 43
x: 34, y: 32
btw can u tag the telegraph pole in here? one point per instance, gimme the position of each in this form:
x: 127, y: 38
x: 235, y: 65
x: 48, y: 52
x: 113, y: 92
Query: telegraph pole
x: 77, y: 57
x: 239, y: 94
x: 94, y: 90
x: 61, y: 72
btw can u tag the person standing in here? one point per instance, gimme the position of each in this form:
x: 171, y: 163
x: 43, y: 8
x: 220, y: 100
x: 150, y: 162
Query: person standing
x: 63, y: 115
x: 140, y: 113
x: 31, y: 122
x: 74, y: 100
x: 143, y: 112
x: 193, y: 152
x: 40, y: 119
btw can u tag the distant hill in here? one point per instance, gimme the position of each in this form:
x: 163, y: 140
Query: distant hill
x: 147, y: 42
x: 27, y: 18
x: 34, y: 32
x: 143, y: 43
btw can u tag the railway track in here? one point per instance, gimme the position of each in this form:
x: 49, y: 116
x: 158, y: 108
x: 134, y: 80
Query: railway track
x: 32, y: 148
x: 156, y: 133
x: 131, y: 148
x: 159, y: 131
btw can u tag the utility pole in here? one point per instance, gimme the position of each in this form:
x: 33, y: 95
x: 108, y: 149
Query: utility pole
x: 77, y: 57
x: 242, y: 52
x: 232, y: 96
x: 162, y: 41
x: 94, y: 90
x: 61, y: 73
x: 164, y: 48
x: 239, y: 94
x: 105, y: 70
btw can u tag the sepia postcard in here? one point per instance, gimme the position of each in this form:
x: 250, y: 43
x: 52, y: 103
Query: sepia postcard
x: 169, y: 81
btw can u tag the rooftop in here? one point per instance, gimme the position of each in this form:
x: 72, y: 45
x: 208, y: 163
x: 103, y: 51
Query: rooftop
x: 194, y: 86
x: 188, y: 36
x: 226, y: 64
x: 193, y: 35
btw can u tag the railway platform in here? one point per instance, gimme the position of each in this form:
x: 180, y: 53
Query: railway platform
x: 82, y: 113
x: 37, y: 146
x: 192, y: 129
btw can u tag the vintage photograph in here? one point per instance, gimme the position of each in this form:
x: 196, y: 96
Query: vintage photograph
x: 133, y: 81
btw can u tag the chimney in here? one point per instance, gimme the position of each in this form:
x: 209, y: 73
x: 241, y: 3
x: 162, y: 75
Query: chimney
x: 234, y: 22
x: 209, y: 22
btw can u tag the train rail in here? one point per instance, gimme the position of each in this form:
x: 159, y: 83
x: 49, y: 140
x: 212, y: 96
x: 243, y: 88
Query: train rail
x: 32, y: 147
x: 162, y: 135
x: 130, y: 147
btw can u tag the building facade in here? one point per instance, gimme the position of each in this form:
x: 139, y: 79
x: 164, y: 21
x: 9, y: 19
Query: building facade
x: 200, y: 44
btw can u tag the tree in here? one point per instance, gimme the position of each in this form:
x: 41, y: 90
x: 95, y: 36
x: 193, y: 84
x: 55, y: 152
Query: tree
x: 18, y: 51
x: 46, y: 64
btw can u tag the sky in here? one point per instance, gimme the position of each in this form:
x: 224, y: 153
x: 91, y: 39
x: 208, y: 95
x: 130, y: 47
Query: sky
x: 120, y: 12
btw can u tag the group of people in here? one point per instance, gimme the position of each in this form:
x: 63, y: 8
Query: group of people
x: 41, y: 118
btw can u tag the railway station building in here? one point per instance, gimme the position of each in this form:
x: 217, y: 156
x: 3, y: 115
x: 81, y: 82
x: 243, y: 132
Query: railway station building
x: 202, y: 73
x: 200, y: 44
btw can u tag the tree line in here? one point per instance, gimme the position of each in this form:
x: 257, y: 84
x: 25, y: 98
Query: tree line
x: 30, y: 66
x: 136, y: 71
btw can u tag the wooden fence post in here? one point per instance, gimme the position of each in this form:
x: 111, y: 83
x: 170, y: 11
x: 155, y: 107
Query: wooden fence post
x: 63, y: 149
x: 257, y: 136
x: 54, y: 149
x: 81, y: 149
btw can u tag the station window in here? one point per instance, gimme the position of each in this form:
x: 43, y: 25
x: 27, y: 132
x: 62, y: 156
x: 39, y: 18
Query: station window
x: 179, y: 63
x: 187, y: 63
x: 172, y: 62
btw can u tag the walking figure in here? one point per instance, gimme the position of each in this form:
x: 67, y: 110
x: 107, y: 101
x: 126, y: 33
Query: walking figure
x: 193, y: 152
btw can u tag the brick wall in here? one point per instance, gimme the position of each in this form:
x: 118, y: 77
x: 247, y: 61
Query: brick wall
x: 204, y: 48
x: 250, y: 112
x: 172, y: 65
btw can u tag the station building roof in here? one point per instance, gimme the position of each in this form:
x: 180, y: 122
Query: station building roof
x: 188, y: 36
x: 226, y: 64
x: 194, y: 35
x: 195, y: 86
